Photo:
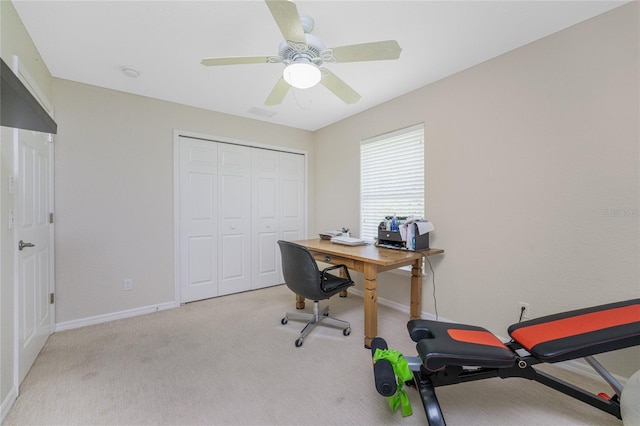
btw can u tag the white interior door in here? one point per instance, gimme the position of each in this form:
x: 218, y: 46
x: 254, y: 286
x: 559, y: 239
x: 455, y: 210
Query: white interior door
x: 34, y: 260
x: 234, y: 214
x: 265, y: 166
x: 198, y: 236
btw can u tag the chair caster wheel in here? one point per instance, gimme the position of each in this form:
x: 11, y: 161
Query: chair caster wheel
x: 299, y: 342
x: 346, y: 331
x: 284, y: 320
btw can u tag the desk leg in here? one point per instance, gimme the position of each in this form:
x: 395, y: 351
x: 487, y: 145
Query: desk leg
x: 299, y: 302
x: 416, y: 289
x: 343, y: 293
x: 370, y: 303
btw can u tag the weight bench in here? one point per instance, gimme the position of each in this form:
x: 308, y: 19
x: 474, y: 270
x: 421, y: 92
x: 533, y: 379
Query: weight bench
x: 450, y: 353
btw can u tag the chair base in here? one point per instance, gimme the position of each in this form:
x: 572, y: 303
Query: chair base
x: 315, y: 318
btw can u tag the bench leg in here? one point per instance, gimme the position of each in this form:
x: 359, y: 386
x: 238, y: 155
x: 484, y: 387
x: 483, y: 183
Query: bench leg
x: 429, y: 401
x: 611, y: 406
x: 617, y: 387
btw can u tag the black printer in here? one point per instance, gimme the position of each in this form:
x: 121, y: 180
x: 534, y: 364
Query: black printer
x: 390, y: 236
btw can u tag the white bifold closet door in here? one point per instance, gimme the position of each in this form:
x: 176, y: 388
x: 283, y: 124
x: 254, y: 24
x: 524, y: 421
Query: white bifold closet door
x: 235, y: 203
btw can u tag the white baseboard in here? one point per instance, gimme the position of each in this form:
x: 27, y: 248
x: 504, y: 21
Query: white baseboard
x: 7, y: 404
x: 399, y: 306
x: 98, y: 319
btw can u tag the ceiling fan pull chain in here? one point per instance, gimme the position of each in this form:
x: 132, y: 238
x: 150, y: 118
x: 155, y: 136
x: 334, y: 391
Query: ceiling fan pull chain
x: 295, y: 97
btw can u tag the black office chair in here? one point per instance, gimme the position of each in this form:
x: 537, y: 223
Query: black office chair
x: 302, y: 276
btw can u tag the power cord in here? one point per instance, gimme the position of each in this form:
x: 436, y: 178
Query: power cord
x: 522, y: 309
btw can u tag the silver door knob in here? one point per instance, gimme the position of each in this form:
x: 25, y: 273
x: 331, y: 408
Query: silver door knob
x: 22, y: 245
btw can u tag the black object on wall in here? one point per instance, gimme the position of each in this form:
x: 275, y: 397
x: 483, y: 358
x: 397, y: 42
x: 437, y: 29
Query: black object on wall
x: 19, y: 109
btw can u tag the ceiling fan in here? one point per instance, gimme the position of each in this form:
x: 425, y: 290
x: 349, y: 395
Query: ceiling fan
x: 303, y: 53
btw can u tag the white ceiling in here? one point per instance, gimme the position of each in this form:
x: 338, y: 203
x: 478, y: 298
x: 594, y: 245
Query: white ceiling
x: 91, y: 41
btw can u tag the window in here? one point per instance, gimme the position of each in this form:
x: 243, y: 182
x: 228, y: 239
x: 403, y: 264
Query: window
x: 391, y: 177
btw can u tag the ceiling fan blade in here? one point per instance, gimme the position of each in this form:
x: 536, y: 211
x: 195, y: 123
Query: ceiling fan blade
x: 339, y: 87
x: 287, y: 17
x: 210, y: 62
x: 375, y: 51
x: 278, y: 93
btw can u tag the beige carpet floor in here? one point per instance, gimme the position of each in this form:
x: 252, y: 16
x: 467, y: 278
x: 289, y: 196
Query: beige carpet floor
x: 229, y: 361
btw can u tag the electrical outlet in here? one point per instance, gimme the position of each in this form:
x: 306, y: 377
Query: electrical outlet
x: 127, y: 284
x: 526, y: 313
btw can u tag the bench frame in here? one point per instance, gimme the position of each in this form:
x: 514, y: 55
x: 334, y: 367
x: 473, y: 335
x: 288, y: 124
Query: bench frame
x: 426, y: 382
x: 451, y: 353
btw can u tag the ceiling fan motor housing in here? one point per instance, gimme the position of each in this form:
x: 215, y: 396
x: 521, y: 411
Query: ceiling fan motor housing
x: 312, y: 52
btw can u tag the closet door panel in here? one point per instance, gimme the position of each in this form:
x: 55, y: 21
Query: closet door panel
x: 198, y: 178
x: 291, y: 208
x: 234, y: 214
x: 265, y: 166
x: 201, y: 254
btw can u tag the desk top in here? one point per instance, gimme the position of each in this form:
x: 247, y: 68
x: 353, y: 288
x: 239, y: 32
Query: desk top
x: 367, y: 253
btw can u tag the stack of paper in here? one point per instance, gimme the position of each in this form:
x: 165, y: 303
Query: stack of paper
x: 348, y: 241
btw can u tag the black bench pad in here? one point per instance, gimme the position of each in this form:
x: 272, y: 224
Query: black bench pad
x: 440, y: 344
x: 580, y: 333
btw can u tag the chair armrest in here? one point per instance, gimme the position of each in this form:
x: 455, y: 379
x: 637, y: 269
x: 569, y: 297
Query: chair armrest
x: 331, y: 268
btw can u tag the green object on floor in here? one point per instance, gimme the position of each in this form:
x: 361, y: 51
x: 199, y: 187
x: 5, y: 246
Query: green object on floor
x: 403, y: 373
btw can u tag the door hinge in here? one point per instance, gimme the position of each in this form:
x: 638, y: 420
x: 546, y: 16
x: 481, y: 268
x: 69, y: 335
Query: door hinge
x: 52, y: 298
x: 50, y: 217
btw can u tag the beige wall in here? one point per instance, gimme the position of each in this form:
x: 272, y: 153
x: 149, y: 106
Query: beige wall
x: 532, y: 177
x: 114, y: 193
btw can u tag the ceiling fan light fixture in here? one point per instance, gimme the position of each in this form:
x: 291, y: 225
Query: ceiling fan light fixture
x: 302, y: 75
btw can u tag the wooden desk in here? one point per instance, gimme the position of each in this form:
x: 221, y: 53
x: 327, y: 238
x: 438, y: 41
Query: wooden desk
x: 370, y: 260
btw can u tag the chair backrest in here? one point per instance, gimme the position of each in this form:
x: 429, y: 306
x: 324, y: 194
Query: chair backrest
x: 300, y: 271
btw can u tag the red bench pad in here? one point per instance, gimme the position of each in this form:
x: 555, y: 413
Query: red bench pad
x: 580, y: 333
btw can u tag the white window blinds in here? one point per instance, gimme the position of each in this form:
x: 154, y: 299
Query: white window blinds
x: 391, y: 177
